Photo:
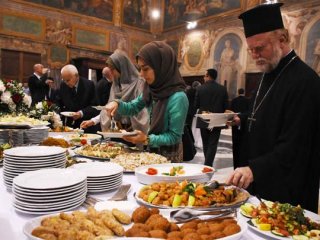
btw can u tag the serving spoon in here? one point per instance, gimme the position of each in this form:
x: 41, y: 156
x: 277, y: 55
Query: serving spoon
x: 186, y: 214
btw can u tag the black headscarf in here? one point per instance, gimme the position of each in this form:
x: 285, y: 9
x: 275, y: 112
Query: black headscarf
x: 162, y: 59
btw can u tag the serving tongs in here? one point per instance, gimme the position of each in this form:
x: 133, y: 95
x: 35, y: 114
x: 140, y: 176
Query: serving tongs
x: 113, y: 125
x: 186, y: 214
x: 212, y: 185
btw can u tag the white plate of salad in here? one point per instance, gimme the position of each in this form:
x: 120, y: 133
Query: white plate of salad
x: 171, y: 172
x: 282, y: 221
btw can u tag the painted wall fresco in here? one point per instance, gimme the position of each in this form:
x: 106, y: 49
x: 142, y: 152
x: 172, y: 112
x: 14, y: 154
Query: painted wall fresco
x: 92, y: 39
x: 136, y: 13
x: 313, y: 47
x: 118, y: 42
x: 22, y: 25
x: 177, y: 12
x: 95, y: 8
x: 175, y: 46
x: 136, y: 44
x: 226, y: 61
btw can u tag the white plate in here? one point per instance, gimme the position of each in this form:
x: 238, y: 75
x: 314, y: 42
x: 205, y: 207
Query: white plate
x: 268, y: 235
x: 48, y: 211
x: 117, y: 134
x: 35, y: 222
x: 49, y: 193
x: 67, y: 114
x: 34, y: 151
x: 87, y: 136
x: 98, y: 169
x: 49, y: 178
x: 192, y: 171
x: 216, y: 119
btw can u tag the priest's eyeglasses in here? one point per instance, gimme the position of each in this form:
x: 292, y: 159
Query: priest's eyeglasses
x: 257, y: 49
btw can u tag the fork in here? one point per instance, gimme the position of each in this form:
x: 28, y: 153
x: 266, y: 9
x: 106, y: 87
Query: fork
x: 120, y: 195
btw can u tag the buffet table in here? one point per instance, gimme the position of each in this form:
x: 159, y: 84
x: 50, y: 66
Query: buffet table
x: 12, y: 222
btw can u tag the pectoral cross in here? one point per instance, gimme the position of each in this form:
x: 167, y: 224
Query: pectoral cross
x: 251, y: 119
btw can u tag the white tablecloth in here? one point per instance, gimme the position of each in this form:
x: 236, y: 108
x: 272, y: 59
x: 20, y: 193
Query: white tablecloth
x: 12, y: 222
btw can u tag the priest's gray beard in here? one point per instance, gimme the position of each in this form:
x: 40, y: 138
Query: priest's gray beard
x: 266, y: 65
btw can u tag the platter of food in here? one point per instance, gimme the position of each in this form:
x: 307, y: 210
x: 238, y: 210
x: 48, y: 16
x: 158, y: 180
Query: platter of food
x: 171, y: 172
x: 82, y: 138
x: 117, y: 134
x: 130, y: 161
x: 275, y: 220
x: 139, y: 223
x: 190, y: 194
x: 101, y: 152
x: 21, y: 121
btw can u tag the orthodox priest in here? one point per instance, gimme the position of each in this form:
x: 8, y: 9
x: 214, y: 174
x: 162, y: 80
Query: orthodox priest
x: 280, y: 153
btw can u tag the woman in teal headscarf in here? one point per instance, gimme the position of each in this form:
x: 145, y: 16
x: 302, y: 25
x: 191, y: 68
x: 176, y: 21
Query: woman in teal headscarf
x: 164, y: 97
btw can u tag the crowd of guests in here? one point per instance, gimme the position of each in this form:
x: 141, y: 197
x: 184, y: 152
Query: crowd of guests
x: 275, y: 135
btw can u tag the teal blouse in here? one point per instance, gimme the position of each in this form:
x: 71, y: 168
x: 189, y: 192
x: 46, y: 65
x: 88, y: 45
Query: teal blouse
x: 174, y: 117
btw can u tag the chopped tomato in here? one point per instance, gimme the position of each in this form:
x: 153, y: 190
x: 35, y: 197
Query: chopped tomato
x: 206, y: 169
x: 83, y: 141
x: 284, y: 232
x: 152, y: 171
x: 200, y: 191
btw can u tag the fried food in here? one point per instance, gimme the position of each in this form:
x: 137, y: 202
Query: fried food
x: 140, y: 215
x: 231, y: 229
x: 158, y: 234
x: 192, y: 236
x: 80, y: 225
x: 121, y: 216
x: 50, y: 141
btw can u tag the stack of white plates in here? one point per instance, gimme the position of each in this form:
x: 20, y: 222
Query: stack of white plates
x: 101, y: 176
x: 35, y: 135
x: 23, y: 159
x: 4, y: 136
x: 49, y: 190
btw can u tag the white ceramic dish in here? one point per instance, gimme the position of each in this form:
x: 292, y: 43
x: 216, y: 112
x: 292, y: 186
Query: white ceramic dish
x: 34, y: 151
x: 191, y: 172
x: 216, y: 119
x: 268, y: 235
x: 35, y: 222
x: 98, y: 169
x: 67, y: 114
x: 49, y: 178
x: 117, y: 134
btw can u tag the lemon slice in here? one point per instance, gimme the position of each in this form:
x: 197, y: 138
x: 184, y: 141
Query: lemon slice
x: 264, y: 226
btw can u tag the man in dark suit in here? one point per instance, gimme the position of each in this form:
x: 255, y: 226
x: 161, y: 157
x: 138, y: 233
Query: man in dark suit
x: 239, y: 105
x: 77, y: 95
x: 210, y: 97
x: 103, y: 87
x: 38, y: 84
x: 52, y: 93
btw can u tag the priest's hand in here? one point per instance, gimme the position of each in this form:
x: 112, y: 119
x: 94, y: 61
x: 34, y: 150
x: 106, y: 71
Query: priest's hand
x: 139, y: 138
x: 241, y: 177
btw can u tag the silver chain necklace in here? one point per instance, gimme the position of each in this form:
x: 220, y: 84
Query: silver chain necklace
x: 255, y: 109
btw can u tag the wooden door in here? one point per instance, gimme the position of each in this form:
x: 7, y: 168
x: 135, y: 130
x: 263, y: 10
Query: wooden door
x: 17, y: 65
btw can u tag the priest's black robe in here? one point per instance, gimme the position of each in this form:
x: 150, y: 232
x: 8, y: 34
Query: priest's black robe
x: 282, y: 148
